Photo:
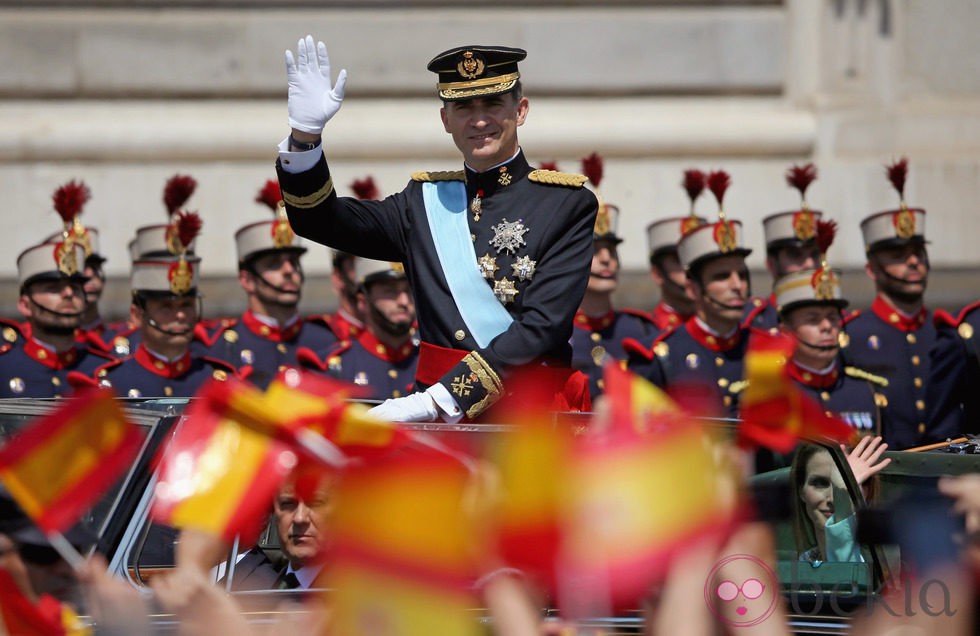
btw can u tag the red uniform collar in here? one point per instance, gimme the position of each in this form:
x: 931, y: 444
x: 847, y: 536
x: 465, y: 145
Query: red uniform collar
x: 894, y: 318
x: 710, y: 341
x: 174, y: 369
x: 380, y: 350
x: 811, y: 378
x: 49, y: 357
x: 594, y: 323
x: 268, y: 332
x: 664, y: 316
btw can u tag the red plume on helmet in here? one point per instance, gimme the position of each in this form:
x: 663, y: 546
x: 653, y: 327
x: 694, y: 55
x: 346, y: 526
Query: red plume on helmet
x: 800, y: 177
x: 897, y: 173
x: 694, y: 185
x: 270, y: 195
x: 179, y: 188
x: 188, y: 227
x: 365, y: 189
x: 826, y: 231
x: 70, y: 199
x: 592, y: 167
x: 718, y: 182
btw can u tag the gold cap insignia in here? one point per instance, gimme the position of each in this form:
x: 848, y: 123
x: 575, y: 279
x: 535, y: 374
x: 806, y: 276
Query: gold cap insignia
x: 804, y: 228
x: 65, y: 256
x: 470, y: 66
x: 725, y: 237
x: 181, y: 276
x: 282, y: 234
x: 904, y: 222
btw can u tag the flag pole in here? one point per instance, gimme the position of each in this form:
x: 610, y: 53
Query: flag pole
x: 66, y: 550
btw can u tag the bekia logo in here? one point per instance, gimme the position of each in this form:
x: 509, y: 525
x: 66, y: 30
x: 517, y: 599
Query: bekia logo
x: 741, y: 591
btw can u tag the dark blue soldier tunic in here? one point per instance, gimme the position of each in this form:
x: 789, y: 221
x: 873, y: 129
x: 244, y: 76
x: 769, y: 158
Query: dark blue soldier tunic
x: 145, y: 375
x: 365, y: 361
x: 854, y: 395
x: 761, y: 313
x: 260, y: 351
x: 888, y: 344
x: 596, y: 340
x: 689, y: 352
x: 117, y: 340
x: 953, y: 389
x: 29, y: 369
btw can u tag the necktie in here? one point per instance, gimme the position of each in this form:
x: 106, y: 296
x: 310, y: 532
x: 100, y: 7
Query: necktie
x: 287, y: 581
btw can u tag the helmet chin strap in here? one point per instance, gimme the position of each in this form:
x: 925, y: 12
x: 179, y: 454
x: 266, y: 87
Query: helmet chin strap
x: 60, y: 314
x: 816, y: 346
x: 716, y: 303
x: 153, y: 323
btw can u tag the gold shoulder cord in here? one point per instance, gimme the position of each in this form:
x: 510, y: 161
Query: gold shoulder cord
x: 855, y: 372
x: 441, y: 175
x: 554, y: 177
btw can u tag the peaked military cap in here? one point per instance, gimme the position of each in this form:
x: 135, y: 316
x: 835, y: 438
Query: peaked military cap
x: 369, y: 270
x: 62, y: 259
x: 169, y: 277
x: 476, y: 71
x: 809, y: 287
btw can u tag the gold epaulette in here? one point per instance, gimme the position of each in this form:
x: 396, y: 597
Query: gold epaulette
x: 440, y: 175
x: 854, y: 372
x: 554, y: 177
x: 738, y: 386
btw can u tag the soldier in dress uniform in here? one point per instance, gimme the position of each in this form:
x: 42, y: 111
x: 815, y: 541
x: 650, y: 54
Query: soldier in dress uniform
x: 167, y: 306
x: 893, y: 338
x: 497, y: 254
x: 710, y: 346
x: 662, y: 236
x: 599, y: 328
x: 383, y: 356
x: 954, y: 376
x: 790, y: 246
x: 40, y: 358
x: 264, y: 340
x: 810, y: 304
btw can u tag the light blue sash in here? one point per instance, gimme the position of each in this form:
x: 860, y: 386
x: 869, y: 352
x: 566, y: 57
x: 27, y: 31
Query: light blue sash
x: 445, y: 208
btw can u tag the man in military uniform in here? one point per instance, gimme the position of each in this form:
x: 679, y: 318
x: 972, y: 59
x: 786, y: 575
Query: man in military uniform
x: 893, y: 338
x: 600, y: 329
x: 39, y: 357
x: 954, y: 376
x: 167, y: 306
x: 709, y: 347
x: 810, y: 304
x: 662, y: 236
x: 383, y: 356
x: 498, y: 254
x: 264, y: 340
x: 347, y: 321
x: 790, y: 246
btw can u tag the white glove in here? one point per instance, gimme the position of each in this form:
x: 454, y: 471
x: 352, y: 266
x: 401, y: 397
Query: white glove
x: 416, y: 407
x: 312, y: 100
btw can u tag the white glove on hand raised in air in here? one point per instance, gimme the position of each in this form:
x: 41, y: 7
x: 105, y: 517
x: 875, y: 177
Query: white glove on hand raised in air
x: 312, y: 99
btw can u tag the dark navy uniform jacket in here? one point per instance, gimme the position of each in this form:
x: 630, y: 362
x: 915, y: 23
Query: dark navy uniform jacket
x: 29, y: 369
x: 116, y: 339
x: 854, y: 395
x: 885, y: 343
x: 665, y: 317
x: 761, y: 314
x: 368, y: 363
x: 688, y: 352
x: 260, y: 351
x: 596, y: 340
x: 953, y: 389
x: 556, y: 217
x: 144, y: 375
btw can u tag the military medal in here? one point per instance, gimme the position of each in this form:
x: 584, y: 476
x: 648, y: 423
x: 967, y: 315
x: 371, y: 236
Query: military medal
x: 507, y: 237
x: 504, y: 290
x: 488, y: 265
x: 476, y: 205
x: 504, y: 179
x: 524, y: 268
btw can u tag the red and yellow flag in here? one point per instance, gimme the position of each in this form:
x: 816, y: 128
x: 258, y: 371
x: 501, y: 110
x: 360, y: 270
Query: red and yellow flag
x: 403, y: 548
x: 220, y: 472
x: 775, y: 412
x: 59, y: 465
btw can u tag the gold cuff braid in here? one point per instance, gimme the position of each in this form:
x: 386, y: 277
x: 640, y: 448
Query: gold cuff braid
x: 489, y: 380
x: 310, y: 200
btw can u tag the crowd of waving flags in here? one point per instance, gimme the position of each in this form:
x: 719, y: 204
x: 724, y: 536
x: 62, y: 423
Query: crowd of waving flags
x: 591, y: 516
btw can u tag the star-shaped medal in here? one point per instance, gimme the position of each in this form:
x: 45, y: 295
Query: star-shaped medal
x: 524, y: 268
x: 507, y: 237
x: 504, y: 290
x: 488, y: 265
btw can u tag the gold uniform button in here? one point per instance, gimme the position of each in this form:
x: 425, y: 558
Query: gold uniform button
x: 728, y: 400
x: 392, y: 374
x: 922, y: 427
x: 920, y: 405
x: 459, y: 335
x: 168, y: 391
x: 380, y: 349
x: 917, y: 382
x: 915, y: 360
x: 159, y: 365
x: 807, y: 376
x: 825, y: 396
x: 599, y: 383
x: 281, y: 348
x: 719, y: 362
x: 595, y: 336
x: 396, y: 393
x: 9, y: 334
x: 965, y: 330
x: 264, y: 330
x: 42, y: 355
x: 230, y: 336
x: 711, y: 340
x: 910, y: 337
x: 723, y: 382
x: 56, y: 381
x: 219, y: 375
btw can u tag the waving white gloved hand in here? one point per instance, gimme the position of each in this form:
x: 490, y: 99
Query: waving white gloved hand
x: 312, y: 99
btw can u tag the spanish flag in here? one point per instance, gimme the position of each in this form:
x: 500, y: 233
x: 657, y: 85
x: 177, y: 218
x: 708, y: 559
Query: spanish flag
x: 775, y: 412
x: 646, y: 484
x: 221, y: 470
x: 58, y: 466
x: 403, y: 548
